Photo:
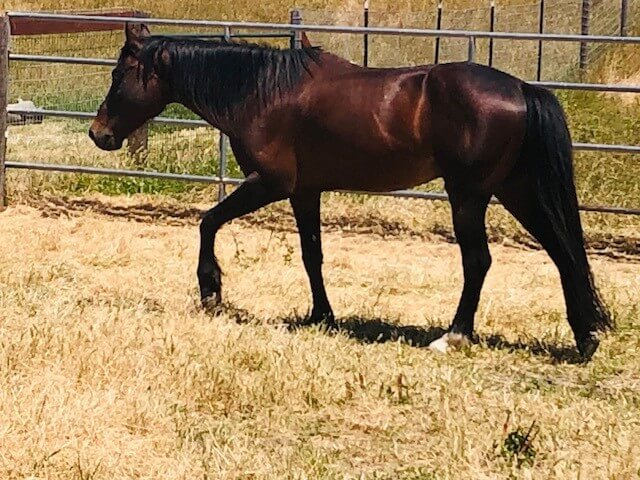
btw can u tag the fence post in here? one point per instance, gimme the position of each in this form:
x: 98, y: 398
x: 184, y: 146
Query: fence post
x: 222, y: 172
x: 438, y: 27
x: 5, y: 38
x: 540, y: 30
x: 492, y: 27
x: 296, y: 19
x: 584, y: 30
x: 365, y: 60
x: 223, y: 146
x: 624, y: 9
x: 471, y: 49
x: 138, y: 141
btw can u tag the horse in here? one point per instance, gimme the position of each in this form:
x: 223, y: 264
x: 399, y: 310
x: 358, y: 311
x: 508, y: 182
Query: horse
x: 305, y: 121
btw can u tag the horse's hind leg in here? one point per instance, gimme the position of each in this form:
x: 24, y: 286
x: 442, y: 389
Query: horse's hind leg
x: 585, y: 312
x: 248, y: 197
x: 306, y: 208
x: 469, y: 224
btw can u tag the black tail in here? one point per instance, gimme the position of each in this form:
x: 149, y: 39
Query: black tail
x: 548, y: 145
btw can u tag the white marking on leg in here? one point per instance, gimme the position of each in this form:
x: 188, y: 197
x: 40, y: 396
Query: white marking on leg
x: 448, y: 342
x: 440, y: 345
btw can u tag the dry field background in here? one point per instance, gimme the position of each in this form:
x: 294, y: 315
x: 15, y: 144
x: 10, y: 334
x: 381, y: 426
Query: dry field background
x: 594, y: 118
x: 110, y: 369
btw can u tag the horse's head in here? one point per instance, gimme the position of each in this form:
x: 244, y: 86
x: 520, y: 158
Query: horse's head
x: 136, y: 95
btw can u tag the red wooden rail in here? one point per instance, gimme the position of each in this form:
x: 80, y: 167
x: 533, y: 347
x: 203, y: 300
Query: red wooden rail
x: 37, y: 26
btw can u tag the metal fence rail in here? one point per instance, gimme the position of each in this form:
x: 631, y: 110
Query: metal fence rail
x: 412, y: 32
x: 293, y: 30
x: 186, y: 123
x: 237, y: 181
x: 51, y: 167
x: 183, y: 122
x: 594, y: 87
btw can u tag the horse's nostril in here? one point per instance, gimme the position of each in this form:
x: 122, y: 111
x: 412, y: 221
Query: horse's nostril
x: 92, y: 135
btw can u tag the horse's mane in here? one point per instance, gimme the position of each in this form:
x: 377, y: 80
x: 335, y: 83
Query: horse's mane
x: 219, y: 76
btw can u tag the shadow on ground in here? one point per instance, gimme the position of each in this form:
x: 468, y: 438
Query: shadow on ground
x: 556, y: 353
x: 380, y: 330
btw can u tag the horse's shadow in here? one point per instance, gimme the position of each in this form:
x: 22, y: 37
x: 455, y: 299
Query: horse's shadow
x: 381, y: 330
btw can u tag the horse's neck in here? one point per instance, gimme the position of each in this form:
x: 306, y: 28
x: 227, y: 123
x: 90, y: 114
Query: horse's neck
x: 215, y: 119
x: 197, y: 97
x: 227, y: 99
x: 219, y: 120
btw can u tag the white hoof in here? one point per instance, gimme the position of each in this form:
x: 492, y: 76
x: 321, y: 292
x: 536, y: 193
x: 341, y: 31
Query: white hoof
x: 448, y: 342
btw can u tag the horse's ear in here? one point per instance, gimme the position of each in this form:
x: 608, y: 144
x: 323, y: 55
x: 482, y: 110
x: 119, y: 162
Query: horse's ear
x: 136, y: 33
x: 304, y: 40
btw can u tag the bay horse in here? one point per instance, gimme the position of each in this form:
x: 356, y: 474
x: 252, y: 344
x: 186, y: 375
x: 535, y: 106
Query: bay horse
x: 305, y: 121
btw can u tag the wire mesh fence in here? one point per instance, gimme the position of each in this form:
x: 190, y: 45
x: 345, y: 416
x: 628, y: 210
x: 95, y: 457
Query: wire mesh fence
x: 196, y: 150
x: 560, y: 60
x: 600, y: 175
x: 81, y: 88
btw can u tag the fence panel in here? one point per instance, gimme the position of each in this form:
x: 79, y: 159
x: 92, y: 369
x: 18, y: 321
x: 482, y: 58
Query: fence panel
x: 174, y: 150
x: 4, y: 83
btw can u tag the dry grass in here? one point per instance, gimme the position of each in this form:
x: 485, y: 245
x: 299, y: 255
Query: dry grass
x: 245, y: 8
x: 109, y: 369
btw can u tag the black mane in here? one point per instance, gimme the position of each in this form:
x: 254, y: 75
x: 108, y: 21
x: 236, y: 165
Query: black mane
x: 218, y: 76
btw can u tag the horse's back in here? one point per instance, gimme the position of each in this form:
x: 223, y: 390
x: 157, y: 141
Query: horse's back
x: 364, y: 129
x: 386, y: 129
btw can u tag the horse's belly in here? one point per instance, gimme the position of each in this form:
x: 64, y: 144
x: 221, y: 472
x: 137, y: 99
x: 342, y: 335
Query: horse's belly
x: 367, y: 173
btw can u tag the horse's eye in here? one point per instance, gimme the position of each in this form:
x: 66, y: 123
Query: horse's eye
x: 116, y: 76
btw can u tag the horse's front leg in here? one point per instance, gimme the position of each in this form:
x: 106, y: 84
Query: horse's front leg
x: 253, y: 194
x: 306, y: 208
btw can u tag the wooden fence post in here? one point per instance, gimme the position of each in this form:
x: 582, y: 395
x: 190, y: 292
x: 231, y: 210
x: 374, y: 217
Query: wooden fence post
x: 138, y: 141
x: 471, y: 49
x: 365, y: 52
x: 584, y: 30
x: 296, y: 19
x: 5, y: 37
x: 624, y: 10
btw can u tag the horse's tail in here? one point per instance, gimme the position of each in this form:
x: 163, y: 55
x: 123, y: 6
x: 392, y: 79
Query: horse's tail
x: 548, y: 145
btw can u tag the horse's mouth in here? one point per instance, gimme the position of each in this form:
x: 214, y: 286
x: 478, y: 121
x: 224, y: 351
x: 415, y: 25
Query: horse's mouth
x: 109, y: 146
x: 106, y: 142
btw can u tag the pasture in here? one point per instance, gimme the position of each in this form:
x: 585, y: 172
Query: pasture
x: 111, y: 370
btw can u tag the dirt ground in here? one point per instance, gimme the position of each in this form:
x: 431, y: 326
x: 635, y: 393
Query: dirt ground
x: 109, y: 369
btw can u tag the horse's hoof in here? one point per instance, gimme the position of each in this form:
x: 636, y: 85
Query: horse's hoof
x: 212, y: 304
x: 449, y: 341
x: 588, y: 345
x: 325, y: 320
x: 329, y: 324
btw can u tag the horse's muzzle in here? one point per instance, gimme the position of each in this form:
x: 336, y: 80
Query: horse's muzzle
x: 105, y: 141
